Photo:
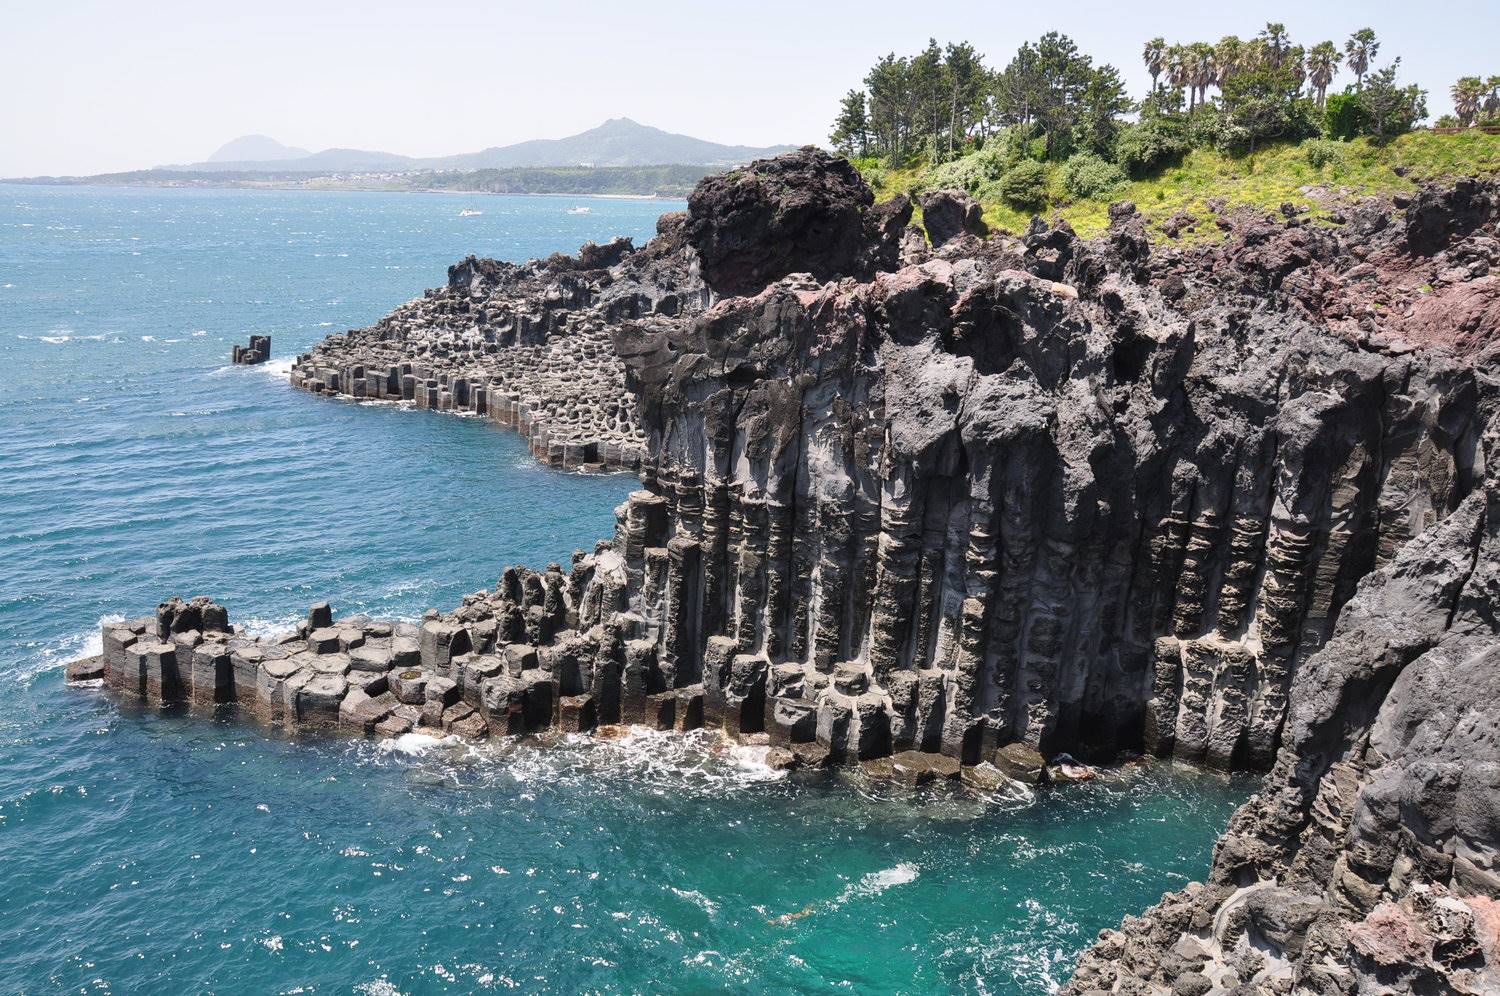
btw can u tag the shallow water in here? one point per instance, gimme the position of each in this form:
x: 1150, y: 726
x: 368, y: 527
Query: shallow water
x: 161, y: 853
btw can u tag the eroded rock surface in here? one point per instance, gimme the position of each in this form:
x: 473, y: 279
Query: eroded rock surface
x: 525, y: 345
x: 1367, y: 862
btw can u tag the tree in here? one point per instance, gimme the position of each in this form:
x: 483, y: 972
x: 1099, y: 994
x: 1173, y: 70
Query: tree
x: 966, y: 76
x: 1178, y: 69
x: 1103, y: 101
x: 1064, y: 75
x: 891, y: 106
x: 930, y: 91
x: 1295, y: 62
x: 1155, y: 56
x: 1468, y: 94
x: 1492, y: 99
x: 1266, y: 103
x: 1229, y: 58
x: 1359, y: 51
x: 1392, y: 109
x: 1201, y: 70
x: 851, y: 131
x: 1322, y: 66
x: 1276, y: 42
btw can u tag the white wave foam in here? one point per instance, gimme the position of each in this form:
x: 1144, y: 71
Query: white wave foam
x: 697, y: 898
x: 280, y: 369
x: 76, y: 646
x: 752, y: 761
x: 377, y: 987
x: 874, y: 883
x: 415, y: 744
x: 148, y: 338
x: 56, y: 339
x: 258, y: 628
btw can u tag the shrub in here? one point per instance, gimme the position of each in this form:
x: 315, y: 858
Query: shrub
x: 972, y: 171
x: 1320, y: 152
x: 1025, y: 185
x: 1149, y: 146
x: 1343, y: 117
x: 1085, y: 175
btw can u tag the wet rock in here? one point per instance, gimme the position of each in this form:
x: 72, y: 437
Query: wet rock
x: 85, y: 669
x: 1021, y: 762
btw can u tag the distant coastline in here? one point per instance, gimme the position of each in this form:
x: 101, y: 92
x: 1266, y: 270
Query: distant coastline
x: 667, y: 181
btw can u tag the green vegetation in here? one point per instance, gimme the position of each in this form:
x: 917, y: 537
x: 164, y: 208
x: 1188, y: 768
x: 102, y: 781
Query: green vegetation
x: 1276, y: 173
x: 1251, y: 122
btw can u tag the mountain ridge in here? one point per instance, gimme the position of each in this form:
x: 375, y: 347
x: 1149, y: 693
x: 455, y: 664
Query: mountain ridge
x: 616, y: 142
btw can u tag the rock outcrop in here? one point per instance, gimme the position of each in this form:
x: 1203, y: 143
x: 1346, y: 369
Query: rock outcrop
x: 259, y: 351
x: 1367, y: 863
x: 972, y: 505
x: 949, y: 214
x: 525, y: 345
x: 804, y: 212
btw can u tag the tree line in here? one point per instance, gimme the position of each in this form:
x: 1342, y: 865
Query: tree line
x: 1476, y: 101
x: 1052, y: 101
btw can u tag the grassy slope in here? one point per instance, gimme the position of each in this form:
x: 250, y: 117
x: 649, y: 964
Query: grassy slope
x: 1266, y: 179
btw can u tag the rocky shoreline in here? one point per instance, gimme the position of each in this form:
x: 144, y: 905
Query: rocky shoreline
x: 949, y: 505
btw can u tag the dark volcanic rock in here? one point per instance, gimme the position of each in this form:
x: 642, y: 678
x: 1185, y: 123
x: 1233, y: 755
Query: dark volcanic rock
x: 1439, y: 216
x: 1367, y: 862
x: 804, y: 212
x: 948, y: 214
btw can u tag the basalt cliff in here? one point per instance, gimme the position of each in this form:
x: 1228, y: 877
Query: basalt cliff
x: 948, y: 504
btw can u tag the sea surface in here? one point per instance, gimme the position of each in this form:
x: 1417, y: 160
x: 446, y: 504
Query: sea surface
x: 151, y: 853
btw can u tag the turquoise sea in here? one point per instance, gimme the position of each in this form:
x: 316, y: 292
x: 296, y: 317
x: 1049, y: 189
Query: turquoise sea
x: 150, y: 853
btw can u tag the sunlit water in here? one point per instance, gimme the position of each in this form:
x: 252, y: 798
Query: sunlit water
x: 157, y: 853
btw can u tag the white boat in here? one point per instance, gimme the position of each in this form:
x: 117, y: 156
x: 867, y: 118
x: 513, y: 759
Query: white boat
x: 469, y: 213
x: 578, y: 210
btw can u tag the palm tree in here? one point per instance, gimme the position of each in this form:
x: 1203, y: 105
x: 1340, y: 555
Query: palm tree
x: 1492, y: 100
x: 1229, y: 57
x: 1201, y: 63
x: 1296, y: 63
x: 1359, y: 51
x: 1275, y: 38
x: 1322, y: 67
x: 1177, y: 69
x: 1155, y: 55
x: 1467, y: 93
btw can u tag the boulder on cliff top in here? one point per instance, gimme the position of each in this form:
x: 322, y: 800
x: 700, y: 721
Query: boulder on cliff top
x: 803, y: 212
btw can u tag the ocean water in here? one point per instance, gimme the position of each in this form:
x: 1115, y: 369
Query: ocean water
x: 156, y: 853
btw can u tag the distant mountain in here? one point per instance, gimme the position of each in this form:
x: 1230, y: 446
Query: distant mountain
x: 617, y: 142
x: 256, y: 148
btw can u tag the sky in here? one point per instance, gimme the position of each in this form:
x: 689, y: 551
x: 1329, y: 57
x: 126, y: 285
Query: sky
x: 101, y: 86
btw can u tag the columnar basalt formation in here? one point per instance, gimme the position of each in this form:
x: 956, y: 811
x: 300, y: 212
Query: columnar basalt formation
x: 1017, y: 494
x: 983, y: 503
x: 1367, y: 862
x: 525, y: 345
x: 259, y: 351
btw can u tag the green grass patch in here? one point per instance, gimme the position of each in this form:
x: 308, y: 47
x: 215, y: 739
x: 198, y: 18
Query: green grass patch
x: 1265, y: 179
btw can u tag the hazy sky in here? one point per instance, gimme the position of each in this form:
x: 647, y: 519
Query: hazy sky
x: 92, y: 87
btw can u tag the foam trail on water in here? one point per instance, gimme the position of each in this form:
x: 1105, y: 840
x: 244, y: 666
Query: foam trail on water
x: 76, y: 646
